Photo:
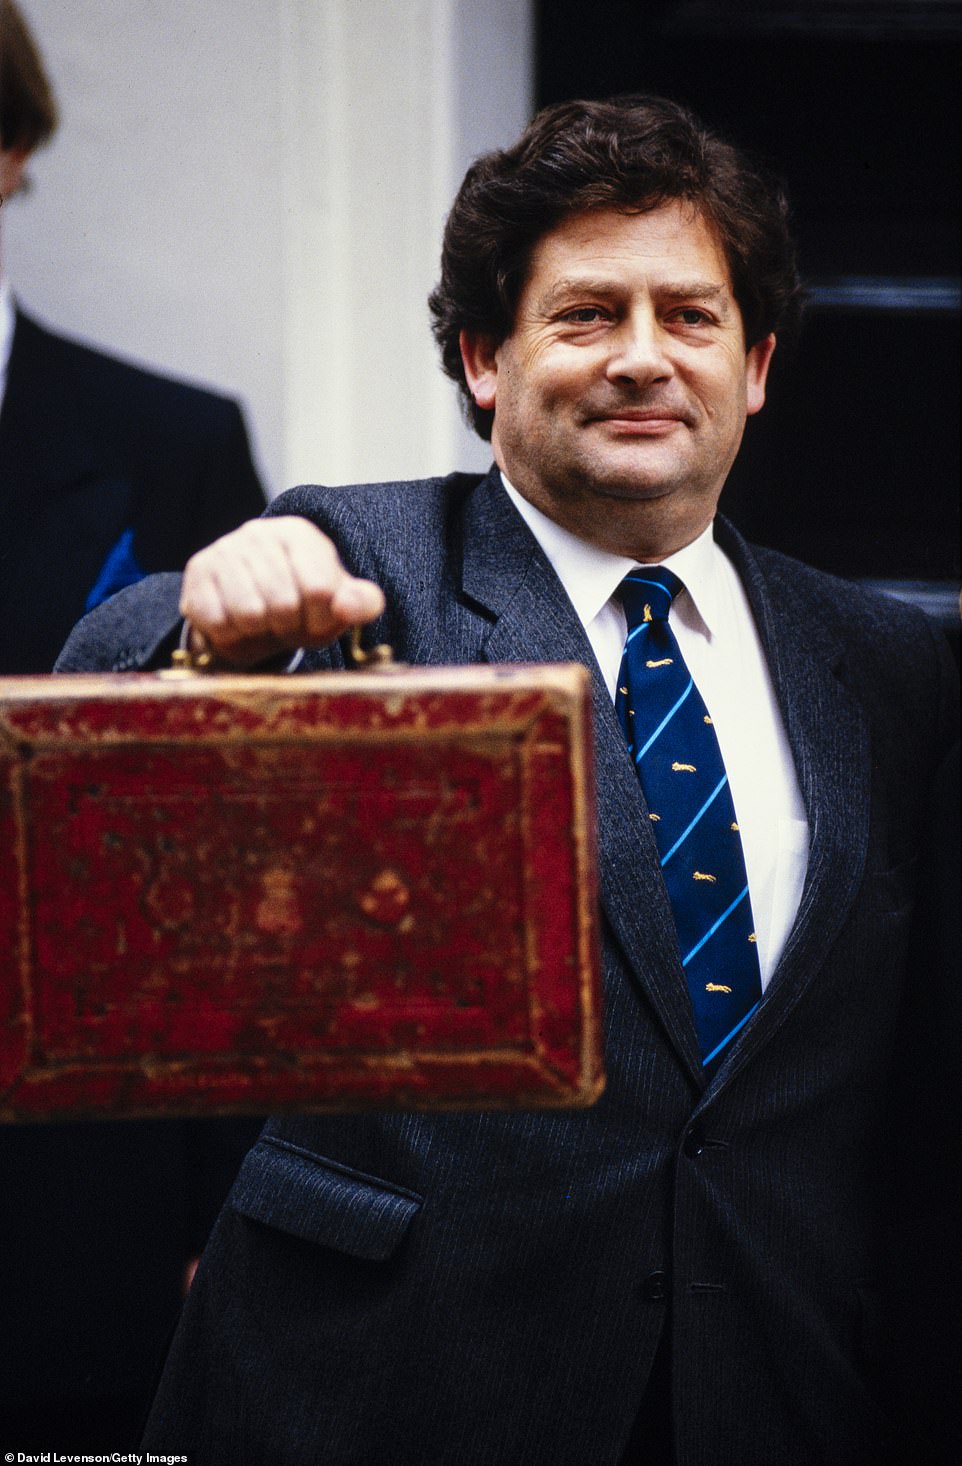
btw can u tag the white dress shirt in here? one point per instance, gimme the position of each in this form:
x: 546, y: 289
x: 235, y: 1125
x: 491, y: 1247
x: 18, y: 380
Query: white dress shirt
x: 719, y: 641
x: 7, y: 322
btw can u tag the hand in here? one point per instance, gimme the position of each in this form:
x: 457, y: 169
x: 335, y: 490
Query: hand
x: 269, y: 587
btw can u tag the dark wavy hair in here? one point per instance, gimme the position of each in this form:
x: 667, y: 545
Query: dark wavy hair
x: 28, y: 112
x: 633, y: 154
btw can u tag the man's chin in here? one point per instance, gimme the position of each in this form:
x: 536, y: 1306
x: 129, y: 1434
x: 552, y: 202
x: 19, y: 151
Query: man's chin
x: 633, y: 488
x: 633, y: 471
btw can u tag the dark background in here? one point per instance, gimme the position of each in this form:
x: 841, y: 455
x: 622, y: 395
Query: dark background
x: 854, y: 463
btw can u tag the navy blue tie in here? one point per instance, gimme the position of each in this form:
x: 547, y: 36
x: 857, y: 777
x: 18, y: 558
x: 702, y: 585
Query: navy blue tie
x: 677, y: 758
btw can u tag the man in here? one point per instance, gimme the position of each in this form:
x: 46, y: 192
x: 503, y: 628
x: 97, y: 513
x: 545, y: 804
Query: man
x: 107, y: 471
x: 683, y: 1272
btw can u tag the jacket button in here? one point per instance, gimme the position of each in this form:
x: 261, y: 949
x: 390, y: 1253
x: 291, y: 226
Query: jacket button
x: 655, y: 1287
x: 694, y: 1141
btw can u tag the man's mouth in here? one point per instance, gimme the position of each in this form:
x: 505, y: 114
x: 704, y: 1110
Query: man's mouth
x: 647, y: 422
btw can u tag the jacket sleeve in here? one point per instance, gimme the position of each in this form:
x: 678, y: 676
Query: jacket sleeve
x: 135, y: 630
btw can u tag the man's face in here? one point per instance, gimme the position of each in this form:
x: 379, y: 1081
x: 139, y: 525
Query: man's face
x: 620, y: 396
x: 12, y: 164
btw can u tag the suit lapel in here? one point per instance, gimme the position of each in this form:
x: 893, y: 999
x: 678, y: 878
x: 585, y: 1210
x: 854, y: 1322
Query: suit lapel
x: 828, y: 735
x: 506, y: 572
x: 44, y: 443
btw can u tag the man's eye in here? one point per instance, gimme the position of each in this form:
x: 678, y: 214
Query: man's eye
x: 584, y: 315
x: 691, y: 316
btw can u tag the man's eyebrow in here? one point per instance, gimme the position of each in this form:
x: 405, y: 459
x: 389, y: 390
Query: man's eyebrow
x: 693, y: 290
x: 607, y: 285
x: 568, y: 286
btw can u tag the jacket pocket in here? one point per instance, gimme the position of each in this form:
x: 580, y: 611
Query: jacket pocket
x: 321, y: 1201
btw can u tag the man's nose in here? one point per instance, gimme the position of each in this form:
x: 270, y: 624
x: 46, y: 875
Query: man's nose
x: 639, y: 350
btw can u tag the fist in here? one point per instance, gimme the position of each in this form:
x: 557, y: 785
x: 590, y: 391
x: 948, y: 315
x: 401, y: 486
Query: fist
x: 269, y: 587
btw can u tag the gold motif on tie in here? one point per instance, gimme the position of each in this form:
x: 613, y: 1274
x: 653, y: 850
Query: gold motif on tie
x: 654, y: 816
x: 707, y: 719
x: 647, y: 616
x: 716, y: 987
x: 683, y: 769
x: 753, y: 938
x: 734, y: 826
x: 665, y: 662
x: 700, y: 875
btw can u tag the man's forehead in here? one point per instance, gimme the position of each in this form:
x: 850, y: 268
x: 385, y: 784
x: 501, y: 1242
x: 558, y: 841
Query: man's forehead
x: 674, y: 243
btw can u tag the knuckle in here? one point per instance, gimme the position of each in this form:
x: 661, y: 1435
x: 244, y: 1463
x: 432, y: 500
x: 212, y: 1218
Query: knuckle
x: 249, y: 617
x: 286, y: 603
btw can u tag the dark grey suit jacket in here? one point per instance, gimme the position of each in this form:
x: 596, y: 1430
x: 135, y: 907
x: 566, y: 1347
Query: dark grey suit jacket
x: 490, y: 1289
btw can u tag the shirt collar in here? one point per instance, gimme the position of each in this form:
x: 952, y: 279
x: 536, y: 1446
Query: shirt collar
x: 697, y: 565
x: 592, y: 576
x: 7, y: 323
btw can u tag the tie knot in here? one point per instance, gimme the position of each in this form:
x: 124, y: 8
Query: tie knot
x: 647, y: 594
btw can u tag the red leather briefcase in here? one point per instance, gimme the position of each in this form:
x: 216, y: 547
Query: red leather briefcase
x: 226, y: 894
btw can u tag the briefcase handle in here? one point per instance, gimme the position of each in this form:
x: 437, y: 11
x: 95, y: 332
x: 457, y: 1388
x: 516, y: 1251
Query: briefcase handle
x: 203, y: 662
x: 381, y: 655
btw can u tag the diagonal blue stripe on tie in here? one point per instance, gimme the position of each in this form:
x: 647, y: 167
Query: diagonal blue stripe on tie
x: 713, y: 929
x: 695, y: 822
x: 729, y: 1036
x: 665, y: 721
x: 639, y: 580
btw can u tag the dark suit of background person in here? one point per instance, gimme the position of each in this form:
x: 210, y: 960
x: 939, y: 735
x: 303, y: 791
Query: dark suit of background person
x: 489, y: 1289
x: 107, y: 471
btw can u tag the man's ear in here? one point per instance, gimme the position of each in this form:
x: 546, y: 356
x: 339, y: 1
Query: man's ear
x: 480, y: 358
x: 758, y: 361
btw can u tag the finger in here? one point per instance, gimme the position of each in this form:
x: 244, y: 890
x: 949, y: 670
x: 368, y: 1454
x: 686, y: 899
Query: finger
x: 356, y: 602
x: 202, y: 599
x: 332, y: 598
x: 241, y: 588
x: 273, y: 585
x: 223, y: 599
x: 280, y: 609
